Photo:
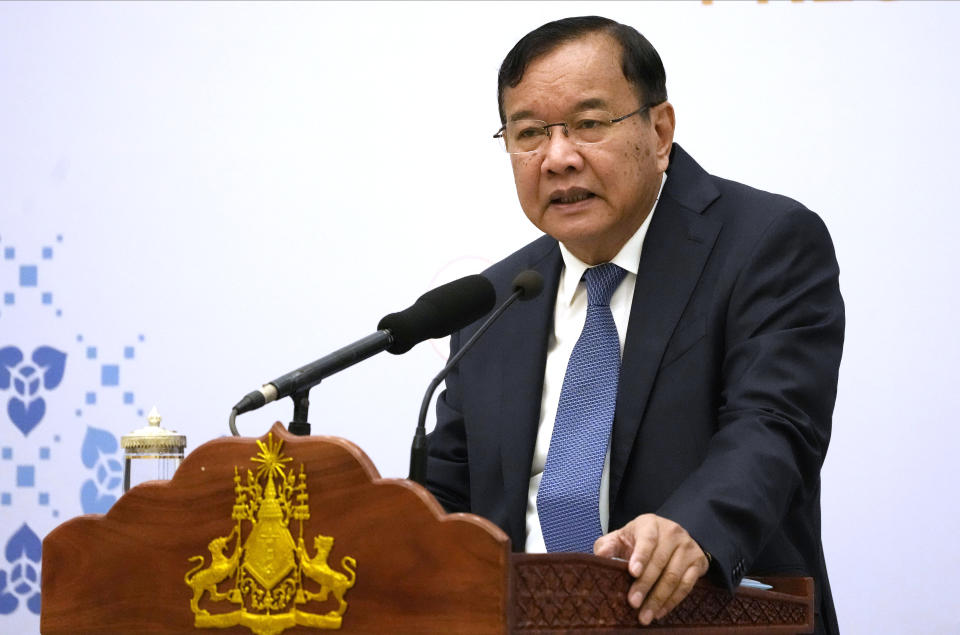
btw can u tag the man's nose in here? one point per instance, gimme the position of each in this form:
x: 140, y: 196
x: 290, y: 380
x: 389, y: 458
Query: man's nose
x: 560, y: 153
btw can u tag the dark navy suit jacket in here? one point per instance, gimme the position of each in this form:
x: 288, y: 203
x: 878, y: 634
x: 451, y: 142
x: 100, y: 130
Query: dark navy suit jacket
x: 727, y: 383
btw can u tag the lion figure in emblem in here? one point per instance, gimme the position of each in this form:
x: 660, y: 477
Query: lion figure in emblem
x: 221, y: 567
x: 319, y: 571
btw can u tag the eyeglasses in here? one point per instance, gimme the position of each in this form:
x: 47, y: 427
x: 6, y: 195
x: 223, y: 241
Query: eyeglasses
x: 583, y: 128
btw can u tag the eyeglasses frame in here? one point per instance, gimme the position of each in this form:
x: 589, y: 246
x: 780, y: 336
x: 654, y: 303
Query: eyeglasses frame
x: 566, y: 133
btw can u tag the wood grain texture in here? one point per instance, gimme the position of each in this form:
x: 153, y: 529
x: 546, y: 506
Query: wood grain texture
x: 418, y: 569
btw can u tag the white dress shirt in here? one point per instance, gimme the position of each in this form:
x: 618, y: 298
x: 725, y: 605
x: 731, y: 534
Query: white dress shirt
x: 569, y: 316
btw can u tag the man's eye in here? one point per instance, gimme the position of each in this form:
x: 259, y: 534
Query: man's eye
x: 530, y: 132
x: 589, y: 124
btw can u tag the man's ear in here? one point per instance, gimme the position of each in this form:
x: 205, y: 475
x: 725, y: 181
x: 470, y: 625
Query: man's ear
x: 664, y: 123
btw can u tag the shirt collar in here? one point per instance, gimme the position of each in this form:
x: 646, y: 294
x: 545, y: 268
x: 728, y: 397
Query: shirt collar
x: 627, y: 258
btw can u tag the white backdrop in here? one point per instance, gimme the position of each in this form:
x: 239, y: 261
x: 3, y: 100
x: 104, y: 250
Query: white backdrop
x: 196, y: 198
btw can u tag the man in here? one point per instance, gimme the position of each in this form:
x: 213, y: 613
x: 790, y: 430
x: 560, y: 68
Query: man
x: 700, y: 449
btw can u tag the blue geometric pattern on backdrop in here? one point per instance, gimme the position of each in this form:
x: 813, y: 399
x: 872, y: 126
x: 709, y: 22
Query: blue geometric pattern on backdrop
x: 109, y: 376
x: 36, y: 472
x: 99, y: 454
x: 27, y: 406
x: 20, y: 579
x: 28, y: 280
x: 100, y: 450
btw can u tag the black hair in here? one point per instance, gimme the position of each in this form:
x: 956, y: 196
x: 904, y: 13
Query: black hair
x: 640, y: 62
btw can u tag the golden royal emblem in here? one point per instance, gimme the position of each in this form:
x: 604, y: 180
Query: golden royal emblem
x: 267, y: 574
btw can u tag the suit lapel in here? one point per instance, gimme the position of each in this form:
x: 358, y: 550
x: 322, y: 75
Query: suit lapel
x: 523, y: 360
x: 675, y: 251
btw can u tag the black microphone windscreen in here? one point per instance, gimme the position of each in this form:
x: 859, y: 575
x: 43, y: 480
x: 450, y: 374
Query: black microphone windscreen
x: 440, y: 312
x: 529, y: 283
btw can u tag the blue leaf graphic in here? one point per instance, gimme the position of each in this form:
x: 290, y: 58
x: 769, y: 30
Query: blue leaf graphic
x: 26, y: 418
x: 95, y: 443
x: 24, y: 541
x: 8, y: 603
x: 92, y: 502
x: 101, y: 474
x: 21, y: 589
x: 10, y: 356
x: 19, y: 386
x: 114, y: 482
x: 33, y: 386
x: 115, y: 465
x: 34, y: 604
x: 53, y: 362
x: 27, y: 371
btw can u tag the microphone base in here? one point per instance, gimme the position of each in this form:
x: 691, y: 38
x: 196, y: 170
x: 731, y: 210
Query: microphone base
x: 299, y: 429
x: 301, y: 405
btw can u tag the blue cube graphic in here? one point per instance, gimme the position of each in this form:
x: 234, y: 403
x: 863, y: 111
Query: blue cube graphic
x: 43, y: 498
x: 128, y: 352
x: 91, y: 352
x: 44, y: 454
x: 7, y: 453
x: 28, y: 275
x: 24, y: 476
x: 4, y: 499
x: 8, y: 298
x: 128, y: 398
x: 110, y: 375
x: 46, y: 297
x: 91, y: 398
x: 9, y: 253
x: 47, y: 253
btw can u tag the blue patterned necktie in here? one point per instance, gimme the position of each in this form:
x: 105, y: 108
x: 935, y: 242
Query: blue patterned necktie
x: 569, y: 494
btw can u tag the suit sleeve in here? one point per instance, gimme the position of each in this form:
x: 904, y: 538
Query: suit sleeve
x: 448, y: 476
x: 783, y: 338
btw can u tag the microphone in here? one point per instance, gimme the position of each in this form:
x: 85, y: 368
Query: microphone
x: 437, y: 313
x: 526, y: 286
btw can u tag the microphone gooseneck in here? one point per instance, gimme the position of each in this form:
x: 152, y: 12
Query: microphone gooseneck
x: 526, y: 286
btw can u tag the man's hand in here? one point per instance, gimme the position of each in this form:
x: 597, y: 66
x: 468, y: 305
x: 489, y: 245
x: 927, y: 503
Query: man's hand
x: 663, y: 558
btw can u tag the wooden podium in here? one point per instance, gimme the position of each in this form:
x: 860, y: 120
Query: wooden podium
x: 287, y: 534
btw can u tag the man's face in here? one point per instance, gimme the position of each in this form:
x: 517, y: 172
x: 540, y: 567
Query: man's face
x: 590, y: 198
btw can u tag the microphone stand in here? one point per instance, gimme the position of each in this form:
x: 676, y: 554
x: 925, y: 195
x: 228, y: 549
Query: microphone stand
x: 418, y: 451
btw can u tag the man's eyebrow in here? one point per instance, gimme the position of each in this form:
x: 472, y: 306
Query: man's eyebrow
x: 586, y: 104
x: 594, y: 102
x: 523, y: 114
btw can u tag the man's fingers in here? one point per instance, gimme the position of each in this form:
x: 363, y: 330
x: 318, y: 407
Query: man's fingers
x: 611, y: 546
x: 634, y: 542
x: 651, y: 572
x: 687, y: 563
x: 663, y: 558
x: 644, y: 548
x: 689, y: 578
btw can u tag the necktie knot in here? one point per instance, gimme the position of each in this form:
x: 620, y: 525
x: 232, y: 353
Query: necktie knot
x: 602, y: 281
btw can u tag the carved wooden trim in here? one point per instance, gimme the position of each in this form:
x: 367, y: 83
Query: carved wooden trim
x: 558, y: 593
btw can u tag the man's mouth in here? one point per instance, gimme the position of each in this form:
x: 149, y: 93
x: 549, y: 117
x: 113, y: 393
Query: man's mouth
x: 573, y: 195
